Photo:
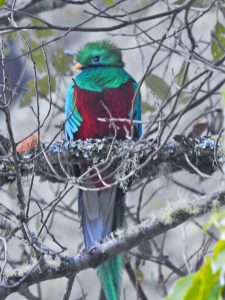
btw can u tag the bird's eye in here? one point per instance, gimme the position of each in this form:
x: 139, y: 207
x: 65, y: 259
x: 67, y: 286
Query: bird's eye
x: 96, y: 58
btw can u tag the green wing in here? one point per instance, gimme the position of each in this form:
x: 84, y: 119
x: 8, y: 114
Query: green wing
x: 72, y: 115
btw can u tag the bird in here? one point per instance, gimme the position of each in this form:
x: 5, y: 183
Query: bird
x: 102, y: 90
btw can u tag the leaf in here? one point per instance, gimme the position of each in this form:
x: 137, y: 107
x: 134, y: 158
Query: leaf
x: 41, y: 33
x: 159, y: 87
x: 62, y: 62
x: 108, y: 2
x: 12, y: 35
x: 38, y: 57
x: 218, y: 43
x: 183, y: 97
x: 196, y: 3
x: 2, y: 3
x: 146, y: 107
x: 205, y: 284
x: 42, y: 86
x: 218, y: 261
x: 27, y: 97
x: 181, y: 74
x: 223, y: 97
x: 217, y: 219
x: 178, y: 290
x: 139, y: 275
x: 219, y: 246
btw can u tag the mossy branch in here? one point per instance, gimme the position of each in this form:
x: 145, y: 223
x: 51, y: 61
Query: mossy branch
x: 61, y: 160
x: 55, y: 265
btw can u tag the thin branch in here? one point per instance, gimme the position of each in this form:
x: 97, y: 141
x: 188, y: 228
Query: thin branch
x: 160, y: 221
x: 47, y: 163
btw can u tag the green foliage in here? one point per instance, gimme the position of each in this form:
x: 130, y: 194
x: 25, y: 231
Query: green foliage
x: 196, y: 3
x: 34, y: 40
x: 62, y: 62
x: 205, y: 284
x: 38, y: 57
x: 42, y: 87
x: 218, y: 43
x: 27, y: 97
x: 179, y: 78
x: 41, y: 33
x: 2, y: 3
x: 158, y: 86
x: 12, y: 35
x: 181, y: 74
x: 146, y: 107
x: 223, y: 96
x: 108, y: 2
x: 217, y: 220
x: 209, y: 281
x: 180, y: 287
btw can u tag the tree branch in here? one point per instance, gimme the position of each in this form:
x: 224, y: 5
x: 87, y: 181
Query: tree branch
x: 55, y: 265
x: 31, y: 7
x: 54, y: 161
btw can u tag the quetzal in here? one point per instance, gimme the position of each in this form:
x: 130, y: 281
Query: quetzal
x: 103, y: 89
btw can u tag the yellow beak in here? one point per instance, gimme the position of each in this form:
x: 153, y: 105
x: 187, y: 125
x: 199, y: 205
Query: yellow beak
x: 78, y: 66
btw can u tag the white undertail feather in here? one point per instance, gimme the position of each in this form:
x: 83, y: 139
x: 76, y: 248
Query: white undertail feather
x: 97, y: 210
x: 101, y: 213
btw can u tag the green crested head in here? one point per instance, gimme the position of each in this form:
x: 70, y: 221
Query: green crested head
x: 99, y: 53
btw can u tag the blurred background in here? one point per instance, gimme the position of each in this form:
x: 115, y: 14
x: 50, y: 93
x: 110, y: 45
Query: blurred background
x: 166, y: 52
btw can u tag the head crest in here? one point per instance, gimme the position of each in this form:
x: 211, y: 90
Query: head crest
x: 101, y: 52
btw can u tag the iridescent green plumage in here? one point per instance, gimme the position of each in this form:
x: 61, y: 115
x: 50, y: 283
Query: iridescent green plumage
x: 110, y: 271
x: 102, y: 80
x: 97, y: 76
x: 107, y: 52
